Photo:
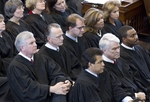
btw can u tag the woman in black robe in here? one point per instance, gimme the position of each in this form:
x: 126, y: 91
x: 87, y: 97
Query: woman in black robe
x: 38, y: 20
x: 6, y: 55
x: 111, y: 15
x: 14, y: 11
x: 94, y: 26
x: 59, y: 11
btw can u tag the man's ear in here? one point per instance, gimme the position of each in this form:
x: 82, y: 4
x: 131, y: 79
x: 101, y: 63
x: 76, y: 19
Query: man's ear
x: 123, y: 39
x: 90, y: 64
x: 21, y: 48
x: 103, y: 50
x: 49, y: 39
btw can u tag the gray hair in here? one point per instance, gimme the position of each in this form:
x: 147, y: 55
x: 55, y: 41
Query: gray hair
x: 105, y: 41
x: 50, y: 26
x: 1, y: 16
x: 11, y: 6
x: 22, y: 38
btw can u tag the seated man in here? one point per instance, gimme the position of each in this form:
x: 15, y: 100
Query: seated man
x: 110, y: 45
x: 55, y: 50
x: 95, y: 84
x: 33, y: 77
x: 74, y: 39
x: 135, y: 55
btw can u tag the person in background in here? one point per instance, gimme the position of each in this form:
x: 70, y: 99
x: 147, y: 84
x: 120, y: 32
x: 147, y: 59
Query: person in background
x: 95, y: 84
x: 94, y: 24
x: 6, y: 55
x: 34, y: 77
x: 6, y: 48
x: 54, y: 49
x: 111, y: 17
x: 73, y: 38
x: 135, y: 55
x: 14, y: 11
x: 110, y: 45
x: 38, y: 20
x: 60, y: 11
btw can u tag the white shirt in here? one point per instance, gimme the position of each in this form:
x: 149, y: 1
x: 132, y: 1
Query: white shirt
x: 71, y: 37
x: 91, y: 72
x: 127, y: 47
x: 25, y: 56
x: 51, y: 47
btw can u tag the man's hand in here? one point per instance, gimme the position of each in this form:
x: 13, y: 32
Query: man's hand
x: 61, y: 88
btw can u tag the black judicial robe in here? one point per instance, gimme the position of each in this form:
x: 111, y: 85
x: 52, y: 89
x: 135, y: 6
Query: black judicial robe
x: 140, y: 59
x: 123, y: 71
x: 39, y: 26
x: 110, y: 28
x: 7, y: 52
x: 30, y: 82
x: 67, y: 61
x: 14, y: 29
x: 60, y: 17
x: 105, y: 88
x: 77, y: 48
x: 5, y: 92
x: 93, y: 38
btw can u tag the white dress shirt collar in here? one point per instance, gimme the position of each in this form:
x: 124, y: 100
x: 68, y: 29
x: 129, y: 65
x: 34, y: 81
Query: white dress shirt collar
x: 25, y: 56
x: 91, y: 72
x: 107, y: 59
x: 51, y: 47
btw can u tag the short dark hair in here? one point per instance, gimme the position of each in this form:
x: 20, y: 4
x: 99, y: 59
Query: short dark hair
x: 51, y: 3
x: 90, y: 56
x: 123, y: 31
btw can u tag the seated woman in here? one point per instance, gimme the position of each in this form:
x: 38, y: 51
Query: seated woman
x: 6, y: 48
x: 59, y: 11
x: 14, y: 11
x: 38, y: 20
x: 5, y: 54
x: 111, y: 15
x: 94, y: 26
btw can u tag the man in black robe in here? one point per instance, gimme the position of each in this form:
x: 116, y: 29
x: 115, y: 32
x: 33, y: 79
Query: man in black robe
x: 54, y: 49
x: 110, y: 45
x: 95, y: 84
x: 34, y: 77
x: 135, y: 55
x: 73, y: 39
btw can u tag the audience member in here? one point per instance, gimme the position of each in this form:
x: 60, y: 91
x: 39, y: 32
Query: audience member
x: 95, y: 84
x: 34, y: 77
x: 111, y: 17
x: 54, y: 49
x: 135, y: 55
x: 60, y: 11
x: 6, y: 48
x: 14, y: 11
x: 73, y: 39
x: 38, y: 19
x: 6, y: 55
x: 94, y: 23
x: 110, y: 45
x: 75, y: 4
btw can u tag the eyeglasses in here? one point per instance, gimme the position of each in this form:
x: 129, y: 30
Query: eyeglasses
x: 20, y: 7
x: 82, y: 27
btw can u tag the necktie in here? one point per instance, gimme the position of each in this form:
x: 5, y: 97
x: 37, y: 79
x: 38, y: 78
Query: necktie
x: 115, y: 62
x: 31, y: 60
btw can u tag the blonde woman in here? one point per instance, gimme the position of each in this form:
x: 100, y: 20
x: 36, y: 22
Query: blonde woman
x: 38, y: 19
x: 94, y: 26
x: 111, y: 17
